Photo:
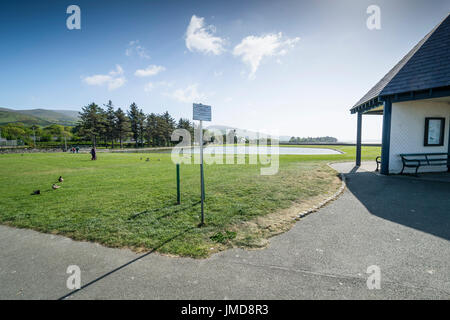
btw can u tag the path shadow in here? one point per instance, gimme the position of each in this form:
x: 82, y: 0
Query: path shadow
x: 126, y: 264
x: 420, y: 204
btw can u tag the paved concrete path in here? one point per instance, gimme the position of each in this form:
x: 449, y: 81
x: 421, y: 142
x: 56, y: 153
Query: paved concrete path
x: 400, y: 225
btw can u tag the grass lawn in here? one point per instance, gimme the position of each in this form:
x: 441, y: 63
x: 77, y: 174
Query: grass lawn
x: 123, y: 201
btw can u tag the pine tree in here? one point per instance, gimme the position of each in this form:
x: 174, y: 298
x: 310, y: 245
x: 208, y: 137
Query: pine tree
x: 187, y: 125
x: 92, y: 122
x: 133, y: 115
x: 110, y: 120
x: 169, y: 127
x: 122, y: 125
x: 160, y: 131
x: 150, y: 129
x: 141, y: 126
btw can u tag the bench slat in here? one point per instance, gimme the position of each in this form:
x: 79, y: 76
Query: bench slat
x: 416, y: 160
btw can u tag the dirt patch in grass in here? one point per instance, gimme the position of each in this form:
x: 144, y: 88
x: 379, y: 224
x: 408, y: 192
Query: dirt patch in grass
x: 255, y: 234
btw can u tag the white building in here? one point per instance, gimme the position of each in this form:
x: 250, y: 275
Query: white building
x: 414, y: 99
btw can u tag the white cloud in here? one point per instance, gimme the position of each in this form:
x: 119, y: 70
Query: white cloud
x: 135, y: 47
x: 201, y: 38
x: 117, y: 72
x: 97, y: 80
x: 189, y: 94
x: 253, y: 49
x: 116, y: 83
x: 114, y: 79
x: 149, y: 71
x: 150, y: 86
x: 165, y: 83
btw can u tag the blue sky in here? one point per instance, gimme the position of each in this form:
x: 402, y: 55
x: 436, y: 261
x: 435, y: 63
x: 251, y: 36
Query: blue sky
x: 292, y: 67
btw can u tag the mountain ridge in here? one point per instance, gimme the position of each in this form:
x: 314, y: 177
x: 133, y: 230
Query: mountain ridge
x: 38, y: 116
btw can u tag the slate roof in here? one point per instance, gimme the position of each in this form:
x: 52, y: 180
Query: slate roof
x: 426, y: 66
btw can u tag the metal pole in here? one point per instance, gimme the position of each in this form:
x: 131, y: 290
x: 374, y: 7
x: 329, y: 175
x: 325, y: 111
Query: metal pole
x: 386, y: 140
x: 448, y: 155
x: 202, y: 187
x: 178, y: 184
x: 358, y: 140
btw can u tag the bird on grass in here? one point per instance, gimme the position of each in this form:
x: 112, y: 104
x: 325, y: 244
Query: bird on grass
x: 148, y: 159
x: 60, y: 179
x: 55, y: 186
x: 36, y: 192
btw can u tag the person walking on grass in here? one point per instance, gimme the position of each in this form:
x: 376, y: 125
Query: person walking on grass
x: 93, y: 154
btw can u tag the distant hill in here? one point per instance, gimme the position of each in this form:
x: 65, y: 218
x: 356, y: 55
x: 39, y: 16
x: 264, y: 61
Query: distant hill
x: 69, y: 113
x: 40, y: 117
x: 10, y: 116
x: 52, y: 116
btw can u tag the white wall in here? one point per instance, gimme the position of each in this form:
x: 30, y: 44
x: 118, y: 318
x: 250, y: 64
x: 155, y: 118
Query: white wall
x: 408, y: 129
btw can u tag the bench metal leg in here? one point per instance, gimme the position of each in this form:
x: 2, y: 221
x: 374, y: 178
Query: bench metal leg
x: 403, y: 168
x: 417, y: 169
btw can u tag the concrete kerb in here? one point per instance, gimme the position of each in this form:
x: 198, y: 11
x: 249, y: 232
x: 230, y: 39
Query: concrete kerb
x: 323, y: 203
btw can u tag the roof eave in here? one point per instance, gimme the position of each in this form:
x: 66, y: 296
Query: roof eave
x: 420, y: 94
x: 366, y: 106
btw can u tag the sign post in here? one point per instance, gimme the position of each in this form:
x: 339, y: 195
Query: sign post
x: 202, y: 113
x: 178, y: 184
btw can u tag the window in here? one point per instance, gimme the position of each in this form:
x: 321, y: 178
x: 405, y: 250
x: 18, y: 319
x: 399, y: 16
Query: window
x: 434, y: 131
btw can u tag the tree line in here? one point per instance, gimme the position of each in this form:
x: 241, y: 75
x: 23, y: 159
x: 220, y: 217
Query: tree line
x: 326, y: 139
x: 28, y: 134
x: 114, y: 126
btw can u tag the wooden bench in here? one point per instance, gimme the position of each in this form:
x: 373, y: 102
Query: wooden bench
x: 417, y: 160
x: 378, y: 160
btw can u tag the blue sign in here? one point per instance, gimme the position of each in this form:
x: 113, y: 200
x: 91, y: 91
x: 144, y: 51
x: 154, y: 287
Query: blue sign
x: 202, y: 112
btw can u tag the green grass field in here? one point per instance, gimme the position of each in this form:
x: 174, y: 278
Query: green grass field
x: 123, y: 201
